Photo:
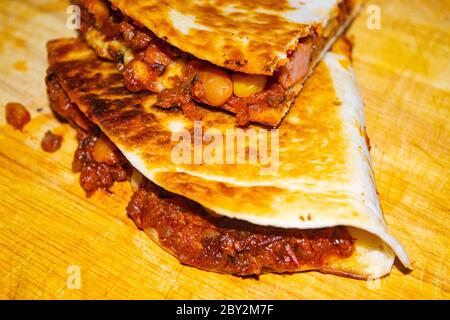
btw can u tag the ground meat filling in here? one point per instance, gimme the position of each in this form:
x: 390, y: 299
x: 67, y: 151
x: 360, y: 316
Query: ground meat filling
x: 271, y: 97
x: 97, y: 159
x: 231, y: 246
x: 93, y: 174
x: 152, y: 56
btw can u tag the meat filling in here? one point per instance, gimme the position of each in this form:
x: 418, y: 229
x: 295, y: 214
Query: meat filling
x: 214, y: 86
x: 97, y: 159
x: 231, y: 246
x: 298, y: 65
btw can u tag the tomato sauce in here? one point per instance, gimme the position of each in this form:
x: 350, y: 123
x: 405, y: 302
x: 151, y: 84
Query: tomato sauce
x: 232, y: 246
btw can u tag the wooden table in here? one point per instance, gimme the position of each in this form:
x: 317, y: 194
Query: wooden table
x: 49, y: 230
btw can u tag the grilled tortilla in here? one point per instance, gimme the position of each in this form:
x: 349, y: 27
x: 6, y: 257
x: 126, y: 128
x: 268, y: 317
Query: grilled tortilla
x: 247, y: 58
x: 322, y: 178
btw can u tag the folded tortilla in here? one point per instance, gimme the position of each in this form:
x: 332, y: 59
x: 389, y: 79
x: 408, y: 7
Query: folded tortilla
x: 281, y: 42
x: 322, y: 178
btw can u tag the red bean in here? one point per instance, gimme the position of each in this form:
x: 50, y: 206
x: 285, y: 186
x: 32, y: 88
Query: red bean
x: 17, y: 115
x: 51, y: 142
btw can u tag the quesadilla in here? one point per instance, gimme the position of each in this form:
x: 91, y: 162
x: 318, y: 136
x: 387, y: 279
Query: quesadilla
x: 318, y: 210
x: 249, y: 58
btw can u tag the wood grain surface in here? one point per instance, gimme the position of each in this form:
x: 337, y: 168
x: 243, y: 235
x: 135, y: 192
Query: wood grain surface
x: 49, y: 230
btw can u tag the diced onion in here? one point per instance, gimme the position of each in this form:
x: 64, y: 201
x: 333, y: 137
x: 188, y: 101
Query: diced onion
x: 136, y: 180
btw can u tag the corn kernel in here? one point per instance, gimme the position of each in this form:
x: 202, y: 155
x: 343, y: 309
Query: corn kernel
x: 245, y: 85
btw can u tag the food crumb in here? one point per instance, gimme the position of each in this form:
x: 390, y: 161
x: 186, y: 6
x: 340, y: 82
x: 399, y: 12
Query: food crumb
x: 51, y: 142
x: 17, y: 115
x: 21, y: 65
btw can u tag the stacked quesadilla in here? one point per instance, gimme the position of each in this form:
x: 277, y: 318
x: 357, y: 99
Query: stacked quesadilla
x: 245, y: 57
x: 308, y: 203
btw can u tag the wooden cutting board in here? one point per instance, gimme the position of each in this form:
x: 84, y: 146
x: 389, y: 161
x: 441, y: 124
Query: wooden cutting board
x: 50, y: 232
